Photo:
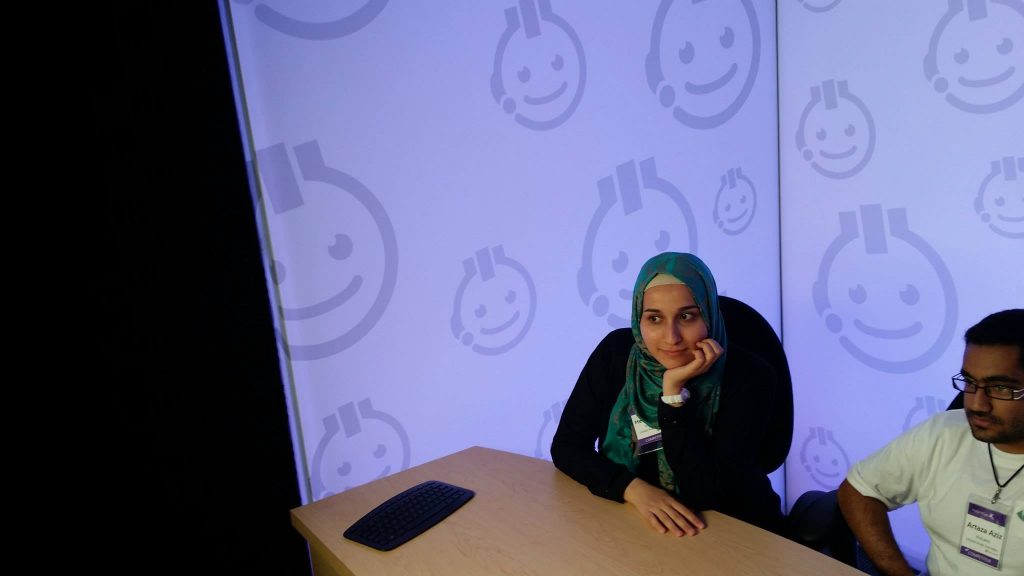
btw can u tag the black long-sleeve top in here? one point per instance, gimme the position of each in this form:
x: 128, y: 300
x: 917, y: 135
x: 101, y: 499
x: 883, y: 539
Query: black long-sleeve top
x: 719, y: 472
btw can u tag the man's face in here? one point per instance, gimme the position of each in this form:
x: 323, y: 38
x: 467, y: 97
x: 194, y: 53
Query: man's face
x: 1000, y: 422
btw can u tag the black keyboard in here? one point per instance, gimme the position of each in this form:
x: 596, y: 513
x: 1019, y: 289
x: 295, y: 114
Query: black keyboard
x: 407, y: 514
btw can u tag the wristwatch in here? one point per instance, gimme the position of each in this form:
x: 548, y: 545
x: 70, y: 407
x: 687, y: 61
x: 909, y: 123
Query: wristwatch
x: 680, y: 398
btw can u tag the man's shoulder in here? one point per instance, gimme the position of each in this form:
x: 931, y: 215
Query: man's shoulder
x: 941, y: 441
x: 948, y: 422
x: 945, y: 430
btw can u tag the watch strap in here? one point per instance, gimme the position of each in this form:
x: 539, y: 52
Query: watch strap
x: 680, y: 398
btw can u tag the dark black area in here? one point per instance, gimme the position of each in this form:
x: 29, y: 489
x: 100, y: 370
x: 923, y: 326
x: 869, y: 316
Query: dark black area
x: 192, y: 460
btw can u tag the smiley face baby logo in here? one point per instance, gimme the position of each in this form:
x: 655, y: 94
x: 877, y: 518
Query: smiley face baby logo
x: 494, y: 304
x: 885, y: 292
x: 823, y: 458
x: 316, y: 20
x: 359, y: 444
x: 540, y: 69
x: 703, y: 59
x: 335, y: 256
x: 975, y: 57
x: 639, y: 215
x: 1000, y: 199
x: 735, y: 203
x: 836, y: 133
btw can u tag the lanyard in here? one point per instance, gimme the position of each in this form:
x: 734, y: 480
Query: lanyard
x: 1000, y: 486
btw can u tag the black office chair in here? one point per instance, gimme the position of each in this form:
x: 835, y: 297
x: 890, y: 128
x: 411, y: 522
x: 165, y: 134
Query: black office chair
x: 746, y: 328
x: 817, y: 522
x: 957, y: 403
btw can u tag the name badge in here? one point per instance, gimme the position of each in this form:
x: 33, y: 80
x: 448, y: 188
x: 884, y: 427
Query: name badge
x: 984, y: 532
x: 646, y: 439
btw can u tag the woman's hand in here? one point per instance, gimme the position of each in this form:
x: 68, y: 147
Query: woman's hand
x: 705, y: 354
x: 665, y: 513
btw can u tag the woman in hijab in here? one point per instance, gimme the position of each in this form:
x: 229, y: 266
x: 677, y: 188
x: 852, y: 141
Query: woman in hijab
x: 676, y: 413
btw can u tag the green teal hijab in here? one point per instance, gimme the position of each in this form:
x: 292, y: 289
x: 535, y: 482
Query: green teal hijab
x: 641, y: 393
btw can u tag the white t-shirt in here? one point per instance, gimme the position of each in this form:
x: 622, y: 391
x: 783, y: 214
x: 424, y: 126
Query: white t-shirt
x: 939, y: 464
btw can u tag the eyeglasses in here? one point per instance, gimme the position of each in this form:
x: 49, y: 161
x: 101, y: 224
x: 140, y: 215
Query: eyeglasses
x: 997, y: 391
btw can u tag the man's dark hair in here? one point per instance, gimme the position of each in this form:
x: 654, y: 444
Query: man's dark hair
x: 1004, y: 328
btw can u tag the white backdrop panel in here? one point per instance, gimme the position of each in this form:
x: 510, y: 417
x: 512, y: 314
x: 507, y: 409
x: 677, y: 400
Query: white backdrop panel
x: 902, y: 214
x: 454, y: 196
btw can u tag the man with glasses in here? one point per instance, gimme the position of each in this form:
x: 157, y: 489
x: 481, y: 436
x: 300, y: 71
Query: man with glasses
x: 962, y: 467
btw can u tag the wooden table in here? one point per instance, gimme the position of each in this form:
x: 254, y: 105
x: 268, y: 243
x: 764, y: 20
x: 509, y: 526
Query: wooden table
x: 529, y: 518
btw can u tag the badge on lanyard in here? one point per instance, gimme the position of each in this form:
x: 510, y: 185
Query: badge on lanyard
x: 645, y: 438
x: 984, y: 532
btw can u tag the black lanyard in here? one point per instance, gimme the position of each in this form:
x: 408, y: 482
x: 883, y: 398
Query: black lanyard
x: 999, y: 490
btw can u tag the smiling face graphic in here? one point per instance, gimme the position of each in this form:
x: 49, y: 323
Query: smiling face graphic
x: 889, y: 297
x: 1000, y: 201
x: 334, y: 257
x: 704, y: 58
x: 823, y: 458
x: 330, y: 271
x: 879, y: 297
x: 836, y: 133
x: 324, y: 249
x: 539, y: 67
x: 625, y: 242
x: 541, y: 74
x: 494, y: 304
x: 496, y: 309
x: 736, y: 202
x: 623, y: 245
x: 358, y: 445
x: 364, y: 458
x: 637, y: 218
x: 976, y: 56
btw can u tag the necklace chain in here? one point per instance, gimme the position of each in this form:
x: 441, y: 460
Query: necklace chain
x: 1000, y: 485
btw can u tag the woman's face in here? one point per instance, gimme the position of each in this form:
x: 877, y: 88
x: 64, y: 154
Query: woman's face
x: 671, y: 324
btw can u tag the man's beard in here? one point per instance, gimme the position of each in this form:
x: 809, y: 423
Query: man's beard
x: 998, y: 431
